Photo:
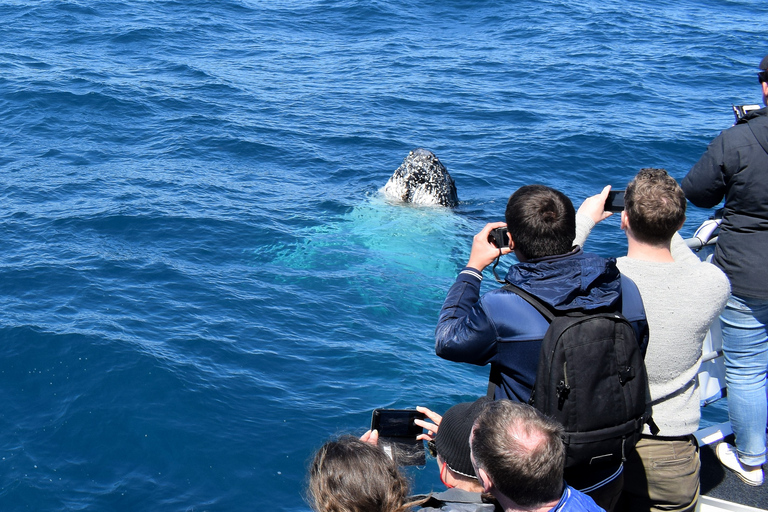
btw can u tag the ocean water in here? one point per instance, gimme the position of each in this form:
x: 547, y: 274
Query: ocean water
x: 199, y: 280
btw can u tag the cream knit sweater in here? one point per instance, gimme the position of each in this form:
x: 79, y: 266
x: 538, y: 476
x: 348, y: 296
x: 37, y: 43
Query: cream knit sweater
x: 681, y: 301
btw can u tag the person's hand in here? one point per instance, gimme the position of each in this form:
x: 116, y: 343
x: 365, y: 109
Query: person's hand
x: 484, y: 252
x: 594, y: 207
x: 431, y: 428
x: 371, y: 437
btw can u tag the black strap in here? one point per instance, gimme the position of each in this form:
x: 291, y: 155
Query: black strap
x: 494, y: 378
x: 542, y: 308
x: 494, y: 381
x: 652, y: 425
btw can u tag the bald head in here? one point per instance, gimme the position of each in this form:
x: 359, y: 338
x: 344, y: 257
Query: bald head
x: 521, y: 451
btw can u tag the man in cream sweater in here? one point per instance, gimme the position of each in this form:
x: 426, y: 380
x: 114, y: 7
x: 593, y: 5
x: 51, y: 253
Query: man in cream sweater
x: 682, y: 297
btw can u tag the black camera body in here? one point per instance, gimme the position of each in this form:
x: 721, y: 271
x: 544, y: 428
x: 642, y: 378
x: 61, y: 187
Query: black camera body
x: 499, y: 237
x: 741, y: 110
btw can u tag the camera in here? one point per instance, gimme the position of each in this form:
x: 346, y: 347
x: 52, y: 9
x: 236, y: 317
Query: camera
x: 499, y: 237
x: 741, y: 110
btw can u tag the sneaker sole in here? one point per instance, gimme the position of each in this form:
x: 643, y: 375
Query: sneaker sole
x: 744, y: 479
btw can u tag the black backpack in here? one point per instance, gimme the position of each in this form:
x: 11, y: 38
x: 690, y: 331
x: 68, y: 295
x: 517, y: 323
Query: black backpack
x: 591, y: 378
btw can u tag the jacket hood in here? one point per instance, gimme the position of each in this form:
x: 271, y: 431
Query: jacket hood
x: 758, y: 123
x: 573, y: 281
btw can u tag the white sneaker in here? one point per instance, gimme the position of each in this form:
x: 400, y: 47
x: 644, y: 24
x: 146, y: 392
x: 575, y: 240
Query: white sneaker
x: 728, y: 457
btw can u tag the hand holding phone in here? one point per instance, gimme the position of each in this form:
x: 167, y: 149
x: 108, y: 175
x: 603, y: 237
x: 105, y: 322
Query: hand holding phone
x: 398, y: 434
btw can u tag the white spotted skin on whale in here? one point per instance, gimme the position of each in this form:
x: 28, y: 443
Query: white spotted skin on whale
x: 422, y: 179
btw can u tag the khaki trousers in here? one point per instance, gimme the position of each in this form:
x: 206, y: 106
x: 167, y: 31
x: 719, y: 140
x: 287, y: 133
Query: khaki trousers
x: 661, y: 475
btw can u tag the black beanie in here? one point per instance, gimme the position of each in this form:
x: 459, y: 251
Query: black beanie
x: 764, y: 63
x: 452, y: 438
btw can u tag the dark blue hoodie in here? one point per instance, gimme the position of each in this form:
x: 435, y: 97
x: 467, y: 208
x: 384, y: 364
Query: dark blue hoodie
x: 502, y: 328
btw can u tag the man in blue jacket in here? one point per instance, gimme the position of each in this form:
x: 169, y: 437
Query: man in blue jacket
x: 518, y: 455
x: 504, y: 330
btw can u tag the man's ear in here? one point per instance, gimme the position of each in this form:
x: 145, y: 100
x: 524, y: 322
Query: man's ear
x: 624, y: 220
x: 520, y: 257
x: 765, y: 92
x: 482, y: 476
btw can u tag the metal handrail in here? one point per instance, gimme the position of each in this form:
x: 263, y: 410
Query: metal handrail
x: 697, y: 243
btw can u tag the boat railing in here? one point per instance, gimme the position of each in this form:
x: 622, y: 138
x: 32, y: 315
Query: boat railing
x: 712, y: 370
x: 696, y: 244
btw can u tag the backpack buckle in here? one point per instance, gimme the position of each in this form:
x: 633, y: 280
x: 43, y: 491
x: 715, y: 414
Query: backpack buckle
x: 626, y: 374
x: 563, y: 390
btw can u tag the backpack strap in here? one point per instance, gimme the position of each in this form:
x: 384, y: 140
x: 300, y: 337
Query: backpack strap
x: 542, y: 308
x: 494, y: 378
x: 652, y: 425
x: 494, y: 381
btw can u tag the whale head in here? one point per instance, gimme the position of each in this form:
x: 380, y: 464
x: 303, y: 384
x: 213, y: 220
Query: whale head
x: 422, y: 179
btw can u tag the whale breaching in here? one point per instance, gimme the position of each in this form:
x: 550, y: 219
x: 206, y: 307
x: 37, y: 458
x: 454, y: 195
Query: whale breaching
x: 422, y: 179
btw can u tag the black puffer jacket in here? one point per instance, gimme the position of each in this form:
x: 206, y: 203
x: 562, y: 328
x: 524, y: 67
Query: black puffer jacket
x: 735, y: 167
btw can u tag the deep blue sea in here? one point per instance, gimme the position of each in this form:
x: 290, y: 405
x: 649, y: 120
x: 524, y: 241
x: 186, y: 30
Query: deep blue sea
x: 199, y: 280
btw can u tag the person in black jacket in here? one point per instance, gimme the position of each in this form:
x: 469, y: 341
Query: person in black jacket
x: 735, y: 167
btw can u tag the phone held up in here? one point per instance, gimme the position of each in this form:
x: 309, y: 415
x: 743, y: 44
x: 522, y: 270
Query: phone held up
x: 615, y: 201
x: 397, y: 435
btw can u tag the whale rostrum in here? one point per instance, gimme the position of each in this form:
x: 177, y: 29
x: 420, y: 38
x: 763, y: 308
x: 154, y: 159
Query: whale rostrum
x: 422, y: 179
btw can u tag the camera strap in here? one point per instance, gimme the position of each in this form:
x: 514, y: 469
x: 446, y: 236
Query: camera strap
x: 493, y: 269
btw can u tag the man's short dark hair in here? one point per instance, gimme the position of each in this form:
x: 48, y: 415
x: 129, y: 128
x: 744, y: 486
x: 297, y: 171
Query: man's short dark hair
x: 541, y: 221
x: 521, y: 451
x: 655, y: 206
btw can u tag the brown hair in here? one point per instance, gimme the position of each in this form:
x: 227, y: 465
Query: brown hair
x: 349, y: 475
x: 522, y: 452
x: 655, y: 206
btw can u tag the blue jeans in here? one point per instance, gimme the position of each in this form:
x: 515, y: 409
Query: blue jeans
x: 745, y: 344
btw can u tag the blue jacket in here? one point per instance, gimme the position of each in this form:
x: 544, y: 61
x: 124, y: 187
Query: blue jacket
x: 503, y: 329
x: 456, y: 500
x: 575, y: 501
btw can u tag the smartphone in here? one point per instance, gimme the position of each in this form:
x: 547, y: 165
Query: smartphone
x: 499, y: 237
x: 397, y: 435
x: 615, y: 201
